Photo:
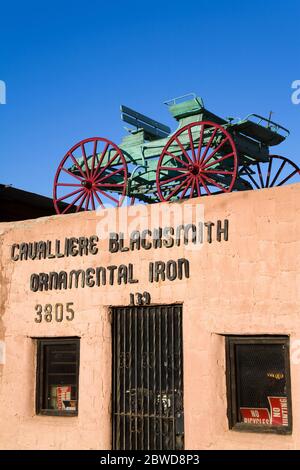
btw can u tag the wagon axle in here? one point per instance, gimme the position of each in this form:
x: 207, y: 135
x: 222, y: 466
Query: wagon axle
x: 87, y: 184
x: 195, y: 169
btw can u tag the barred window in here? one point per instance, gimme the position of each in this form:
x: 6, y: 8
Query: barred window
x: 258, y: 383
x: 57, y: 376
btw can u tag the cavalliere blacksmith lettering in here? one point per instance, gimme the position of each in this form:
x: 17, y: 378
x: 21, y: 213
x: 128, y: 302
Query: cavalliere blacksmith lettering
x: 47, y: 249
x: 169, y: 236
x: 161, y: 237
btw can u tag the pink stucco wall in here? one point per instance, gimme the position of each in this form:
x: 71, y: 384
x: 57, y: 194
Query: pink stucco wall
x: 246, y: 285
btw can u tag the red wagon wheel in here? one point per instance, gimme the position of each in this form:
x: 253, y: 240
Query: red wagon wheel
x: 199, y: 159
x: 276, y: 172
x: 93, y: 173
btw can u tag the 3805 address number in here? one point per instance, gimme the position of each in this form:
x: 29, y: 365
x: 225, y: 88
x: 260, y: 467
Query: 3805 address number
x: 56, y: 312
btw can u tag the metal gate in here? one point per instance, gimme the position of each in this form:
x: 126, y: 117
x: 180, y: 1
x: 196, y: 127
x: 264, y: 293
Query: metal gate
x: 147, y: 378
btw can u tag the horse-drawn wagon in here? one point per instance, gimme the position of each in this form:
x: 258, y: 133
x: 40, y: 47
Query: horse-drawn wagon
x: 206, y: 155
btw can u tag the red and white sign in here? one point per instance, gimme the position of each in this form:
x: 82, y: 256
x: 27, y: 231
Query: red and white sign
x: 255, y: 415
x: 279, y: 411
x: 62, y: 394
x: 276, y: 416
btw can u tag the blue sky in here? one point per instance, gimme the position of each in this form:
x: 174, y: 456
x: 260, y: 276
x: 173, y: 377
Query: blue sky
x: 69, y: 65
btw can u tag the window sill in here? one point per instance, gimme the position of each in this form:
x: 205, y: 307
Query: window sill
x: 283, y: 430
x: 57, y: 413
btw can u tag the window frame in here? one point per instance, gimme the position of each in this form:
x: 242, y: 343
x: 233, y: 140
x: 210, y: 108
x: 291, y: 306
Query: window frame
x: 41, y: 379
x: 231, y: 383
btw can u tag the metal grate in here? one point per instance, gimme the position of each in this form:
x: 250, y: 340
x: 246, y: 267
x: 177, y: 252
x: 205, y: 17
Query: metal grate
x: 147, y: 378
x: 258, y: 381
x: 57, y: 376
x: 260, y: 373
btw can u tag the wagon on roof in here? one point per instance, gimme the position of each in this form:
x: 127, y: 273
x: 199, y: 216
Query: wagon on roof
x: 206, y: 155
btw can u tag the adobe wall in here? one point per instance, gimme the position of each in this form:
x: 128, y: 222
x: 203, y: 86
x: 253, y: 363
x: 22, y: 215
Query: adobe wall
x: 248, y: 284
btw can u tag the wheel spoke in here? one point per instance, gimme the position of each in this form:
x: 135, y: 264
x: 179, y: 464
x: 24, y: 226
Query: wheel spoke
x: 260, y: 175
x: 171, y: 168
x: 214, y: 183
x: 70, y: 194
x: 192, y: 144
x: 93, y: 201
x: 77, y: 165
x: 174, y: 178
x: 192, y: 188
x: 106, y: 166
x: 251, y: 177
x: 189, y: 181
x: 112, y: 185
x: 215, y: 150
x: 72, y: 174
x: 176, y: 158
x: 109, y: 196
x: 100, y: 159
x: 200, y: 143
x: 109, y: 175
x: 85, y: 160
x: 176, y: 189
x: 68, y: 184
x: 219, y: 172
x: 204, y: 185
x: 269, y: 172
x: 278, y: 173
x: 183, y: 150
x: 72, y: 204
x: 198, y: 188
x: 218, y: 160
x: 94, y: 157
x: 99, y: 200
x: 208, y: 145
x: 82, y: 201
x: 87, y: 202
x: 287, y: 178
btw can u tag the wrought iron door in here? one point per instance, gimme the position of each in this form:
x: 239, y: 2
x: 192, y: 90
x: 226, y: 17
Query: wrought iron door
x: 147, y: 378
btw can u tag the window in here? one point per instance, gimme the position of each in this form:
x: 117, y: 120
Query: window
x: 57, y: 376
x: 258, y: 384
